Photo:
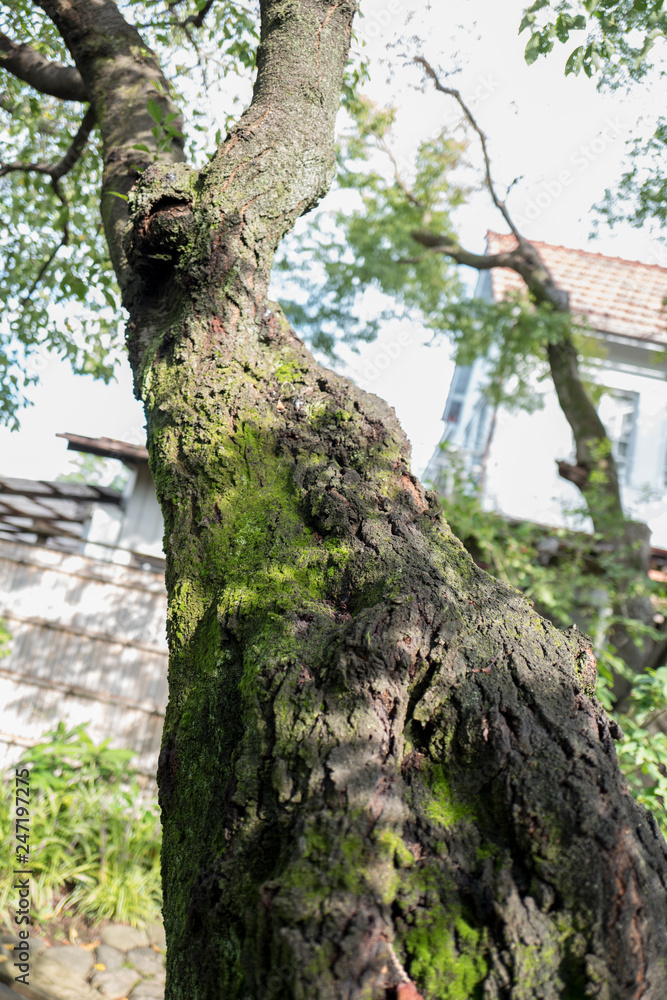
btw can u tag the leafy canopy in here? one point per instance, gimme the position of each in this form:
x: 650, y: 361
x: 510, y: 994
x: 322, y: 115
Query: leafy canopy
x: 623, y: 44
x: 367, y: 269
x: 57, y: 286
x: 620, y: 34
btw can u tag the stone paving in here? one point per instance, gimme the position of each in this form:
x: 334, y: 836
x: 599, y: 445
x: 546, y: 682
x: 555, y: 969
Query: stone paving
x: 123, y: 963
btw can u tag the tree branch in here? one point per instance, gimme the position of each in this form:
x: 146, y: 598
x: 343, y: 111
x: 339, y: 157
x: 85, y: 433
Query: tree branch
x: 52, y: 78
x: 592, y: 445
x: 456, y: 94
x: 124, y: 79
x: 57, y: 170
x: 301, y: 55
x: 197, y: 20
x: 482, y: 262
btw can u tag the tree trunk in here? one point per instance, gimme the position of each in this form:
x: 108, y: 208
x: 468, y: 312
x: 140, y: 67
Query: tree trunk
x: 382, y: 774
x: 379, y: 765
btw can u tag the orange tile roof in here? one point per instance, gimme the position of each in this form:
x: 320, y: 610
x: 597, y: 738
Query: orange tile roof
x: 618, y: 296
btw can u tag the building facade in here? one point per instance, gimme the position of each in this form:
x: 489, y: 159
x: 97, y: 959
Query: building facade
x: 512, y: 455
x: 82, y: 596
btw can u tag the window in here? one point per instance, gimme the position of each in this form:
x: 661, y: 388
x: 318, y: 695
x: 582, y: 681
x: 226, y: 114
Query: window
x: 618, y: 413
x: 460, y: 380
x: 457, y: 392
x: 453, y: 412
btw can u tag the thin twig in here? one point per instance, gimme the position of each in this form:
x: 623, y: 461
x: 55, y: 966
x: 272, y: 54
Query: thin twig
x: 409, y: 194
x: 45, y: 266
x: 456, y: 94
x: 77, y: 145
x: 56, y: 171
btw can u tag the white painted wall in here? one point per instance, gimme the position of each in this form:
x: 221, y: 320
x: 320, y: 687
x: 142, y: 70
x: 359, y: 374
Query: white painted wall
x: 136, y: 528
x: 87, y: 644
x: 522, y: 478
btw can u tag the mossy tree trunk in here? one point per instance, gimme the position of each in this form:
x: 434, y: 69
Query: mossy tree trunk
x: 382, y: 775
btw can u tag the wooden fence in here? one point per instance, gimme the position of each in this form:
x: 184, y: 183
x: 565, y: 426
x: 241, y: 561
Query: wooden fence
x: 87, y: 645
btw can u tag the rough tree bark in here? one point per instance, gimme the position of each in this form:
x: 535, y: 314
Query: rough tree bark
x: 383, y: 775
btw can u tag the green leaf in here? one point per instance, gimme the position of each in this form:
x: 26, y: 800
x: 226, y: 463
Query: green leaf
x: 526, y: 21
x: 77, y: 286
x: 154, y: 110
x: 533, y: 49
x: 575, y: 61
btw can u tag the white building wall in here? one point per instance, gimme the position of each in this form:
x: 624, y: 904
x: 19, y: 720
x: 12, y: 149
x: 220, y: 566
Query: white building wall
x: 143, y: 526
x: 134, y: 529
x: 521, y: 476
x: 87, y: 644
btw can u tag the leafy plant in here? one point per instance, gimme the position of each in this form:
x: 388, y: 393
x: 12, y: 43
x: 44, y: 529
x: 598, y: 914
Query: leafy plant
x: 94, y: 833
x: 96, y: 470
x: 5, y: 636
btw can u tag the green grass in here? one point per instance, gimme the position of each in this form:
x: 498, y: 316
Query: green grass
x: 94, y: 833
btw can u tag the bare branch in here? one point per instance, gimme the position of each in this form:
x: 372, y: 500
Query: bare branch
x: 448, y: 246
x: 456, y: 94
x: 197, y: 20
x: 524, y: 259
x: 52, y: 78
x: 57, y: 170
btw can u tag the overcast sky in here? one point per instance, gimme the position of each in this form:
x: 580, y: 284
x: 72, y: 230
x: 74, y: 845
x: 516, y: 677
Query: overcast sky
x: 564, y: 140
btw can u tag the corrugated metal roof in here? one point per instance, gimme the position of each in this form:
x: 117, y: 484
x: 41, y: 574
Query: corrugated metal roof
x: 623, y: 297
x: 54, y: 513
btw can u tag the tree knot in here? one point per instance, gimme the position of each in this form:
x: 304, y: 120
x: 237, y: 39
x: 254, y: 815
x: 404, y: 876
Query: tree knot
x: 160, y: 206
